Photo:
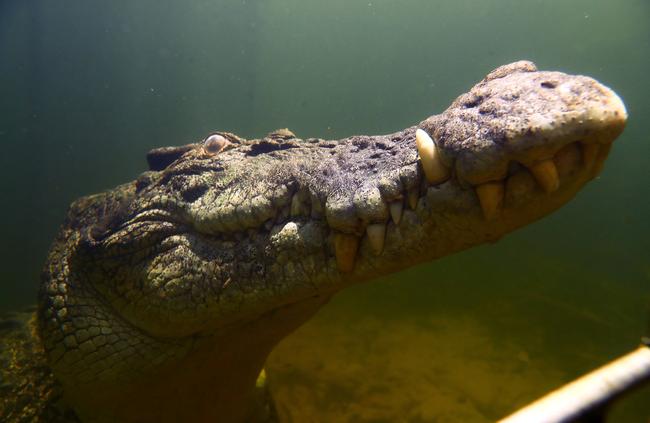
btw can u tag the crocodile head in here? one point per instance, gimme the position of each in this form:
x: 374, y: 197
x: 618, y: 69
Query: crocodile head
x: 162, y: 298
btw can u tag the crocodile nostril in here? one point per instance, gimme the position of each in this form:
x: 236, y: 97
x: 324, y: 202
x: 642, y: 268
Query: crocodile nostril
x: 548, y: 84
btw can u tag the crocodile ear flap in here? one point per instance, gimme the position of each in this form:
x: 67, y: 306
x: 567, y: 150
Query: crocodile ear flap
x: 160, y: 158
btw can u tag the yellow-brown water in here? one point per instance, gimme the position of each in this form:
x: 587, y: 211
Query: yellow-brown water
x: 87, y: 89
x: 449, y: 355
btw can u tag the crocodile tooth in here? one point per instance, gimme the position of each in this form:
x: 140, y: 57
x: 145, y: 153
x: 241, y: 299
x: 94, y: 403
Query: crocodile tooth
x: 589, y: 154
x: 376, y: 234
x: 434, y: 170
x: 396, y: 208
x: 345, y: 247
x: 490, y: 195
x: 412, y: 196
x: 545, y: 174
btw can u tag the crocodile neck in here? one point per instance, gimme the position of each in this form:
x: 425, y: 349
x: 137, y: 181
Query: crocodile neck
x: 217, y: 383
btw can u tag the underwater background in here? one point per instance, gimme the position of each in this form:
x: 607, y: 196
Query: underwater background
x: 88, y: 87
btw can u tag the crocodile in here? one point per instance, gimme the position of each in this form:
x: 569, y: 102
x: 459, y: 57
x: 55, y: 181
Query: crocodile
x: 162, y: 298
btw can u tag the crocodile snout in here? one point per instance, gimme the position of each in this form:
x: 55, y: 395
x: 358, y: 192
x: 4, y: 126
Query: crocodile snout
x: 520, y: 130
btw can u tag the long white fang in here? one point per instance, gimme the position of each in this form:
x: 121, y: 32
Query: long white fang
x: 396, y: 208
x: 376, y: 234
x: 345, y: 248
x: 434, y: 170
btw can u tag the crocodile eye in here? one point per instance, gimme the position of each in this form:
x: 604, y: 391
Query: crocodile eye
x: 214, y: 144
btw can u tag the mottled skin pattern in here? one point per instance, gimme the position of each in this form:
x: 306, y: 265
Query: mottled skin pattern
x: 162, y: 298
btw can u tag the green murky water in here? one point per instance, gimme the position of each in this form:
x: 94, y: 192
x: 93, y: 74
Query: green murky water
x: 86, y: 88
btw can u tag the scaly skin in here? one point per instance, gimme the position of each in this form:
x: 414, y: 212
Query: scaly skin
x: 162, y: 298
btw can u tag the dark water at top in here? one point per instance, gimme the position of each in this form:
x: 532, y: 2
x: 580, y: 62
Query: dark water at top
x: 86, y: 88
